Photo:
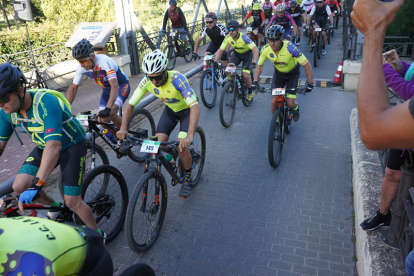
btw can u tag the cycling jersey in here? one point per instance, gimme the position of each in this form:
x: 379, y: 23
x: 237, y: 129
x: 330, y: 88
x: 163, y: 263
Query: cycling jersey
x: 105, y: 69
x: 288, y: 58
x: 322, y: 12
x: 296, y: 15
x: 257, y: 18
x: 268, y: 9
x: 177, y: 18
x: 306, y: 4
x: 334, y: 5
x: 58, y: 123
x: 176, y: 93
x: 285, y: 21
x: 242, y: 45
x: 217, y: 34
x: 37, y: 246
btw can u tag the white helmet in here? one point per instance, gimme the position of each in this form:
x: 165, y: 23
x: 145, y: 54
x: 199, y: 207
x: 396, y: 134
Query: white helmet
x: 280, y: 7
x: 154, y: 62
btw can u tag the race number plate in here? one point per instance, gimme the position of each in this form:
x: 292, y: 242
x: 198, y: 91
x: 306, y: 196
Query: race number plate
x: 278, y: 91
x: 150, y: 146
x: 249, y: 29
x: 318, y: 29
x: 231, y: 69
x: 209, y: 57
x: 83, y: 119
x: 172, y: 34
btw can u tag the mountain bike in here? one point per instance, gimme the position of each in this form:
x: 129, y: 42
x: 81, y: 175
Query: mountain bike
x: 318, y: 44
x: 177, y: 47
x: 280, y: 125
x: 252, y: 33
x: 104, y: 190
x: 209, y: 81
x: 148, y: 205
x: 233, y: 90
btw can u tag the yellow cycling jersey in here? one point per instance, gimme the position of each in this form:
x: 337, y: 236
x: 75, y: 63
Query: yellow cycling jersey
x: 287, y: 59
x: 176, y: 93
x: 242, y: 44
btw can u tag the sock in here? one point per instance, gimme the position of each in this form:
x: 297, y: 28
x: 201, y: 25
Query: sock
x: 99, y: 231
x: 55, y: 204
x: 298, y: 39
x: 188, y: 174
x: 296, y: 108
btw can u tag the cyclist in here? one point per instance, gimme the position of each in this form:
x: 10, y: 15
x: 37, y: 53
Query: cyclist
x: 284, y: 20
x: 105, y: 72
x: 305, y: 5
x: 297, y: 14
x: 258, y: 22
x: 46, y: 116
x: 244, y: 51
x: 178, y: 22
x: 268, y: 8
x: 51, y: 248
x: 216, y: 32
x: 286, y: 3
x: 322, y: 12
x: 286, y: 57
x: 334, y: 6
x: 181, y: 105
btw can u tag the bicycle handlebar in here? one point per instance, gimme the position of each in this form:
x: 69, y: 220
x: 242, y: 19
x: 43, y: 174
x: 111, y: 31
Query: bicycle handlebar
x: 263, y: 89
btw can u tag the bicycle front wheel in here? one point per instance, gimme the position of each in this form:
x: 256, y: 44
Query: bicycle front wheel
x: 141, y: 120
x: 189, y: 52
x: 275, y: 142
x: 145, y: 217
x: 227, y: 104
x: 169, y: 51
x: 108, y: 205
x: 208, y: 88
x: 315, y: 54
x: 138, y: 270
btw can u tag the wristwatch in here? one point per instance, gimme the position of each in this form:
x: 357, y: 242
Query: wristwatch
x: 36, y: 180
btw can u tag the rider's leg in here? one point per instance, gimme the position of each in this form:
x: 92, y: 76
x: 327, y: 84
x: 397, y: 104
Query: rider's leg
x: 234, y: 61
x: 275, y: 104
x: 259, y: 38
x: 79, y: 207
x: 247, y: 78
x: 277, y: 82
x: 23, y: 182
x: 247, y: 60
x: 291, y: 102
x: 323, y: 39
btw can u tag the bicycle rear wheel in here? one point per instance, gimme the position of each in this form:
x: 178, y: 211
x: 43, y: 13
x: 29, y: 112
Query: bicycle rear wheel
x: 108, y: 205
x: 189, y: 53
x: 207, y: 92
x: 275, y: 141
x: 144, y: 219
x: 227, y: 104
x: 140, y: 120
x: 169, y: 51
x: 138, y: 270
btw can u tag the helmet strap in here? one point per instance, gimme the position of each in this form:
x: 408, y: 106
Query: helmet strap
x: 21, y: 99
x: 165, y: 75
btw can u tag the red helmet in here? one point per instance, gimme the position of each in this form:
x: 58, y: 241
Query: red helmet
x: 211, y: 15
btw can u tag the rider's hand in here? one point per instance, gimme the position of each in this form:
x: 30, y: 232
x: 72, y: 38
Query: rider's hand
x: 252, y: 66
x: 309, y: 87
x: 120, y: 134
x: 215, y: 65
x: 105, y: 112
x: 185, y: 143
x: 195, y: 56
x: 393, y: 59
x: 31, y: 194
x: 256, y: 86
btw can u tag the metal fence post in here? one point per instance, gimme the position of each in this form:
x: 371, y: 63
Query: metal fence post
x: 195, y: 17
x: 203, y: 24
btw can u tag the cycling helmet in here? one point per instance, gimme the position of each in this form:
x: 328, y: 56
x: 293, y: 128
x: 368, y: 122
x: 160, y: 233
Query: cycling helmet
x: 82, y: 49
x: 256, y: 6
x: 233, y: 23
x: 280, y: 7
x: 154, y: 62
x: 293, y: 3
x: 211, y: 15
x: 275, y: 32
x: 173, y: 3
x: 10, y: 78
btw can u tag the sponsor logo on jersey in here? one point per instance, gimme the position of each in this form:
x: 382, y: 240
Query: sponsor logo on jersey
x: 29, y: 159
x: 170, y: 101
x: 49, y: 130
x: 156, y: 91
x: 272, y: 55
x: 125, y: 90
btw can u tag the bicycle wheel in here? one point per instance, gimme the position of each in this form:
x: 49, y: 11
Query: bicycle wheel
x: 108, y: 205
x: 275, y: 142
x: 189, y: 53
x: 141, y: 119
x: 100, y: 159
x: 245, y: 100
x: 169, y: 51
x: 227, y: 104
x: 315, y: 54
x: 288, y: 120
x: 207, y: 92
x: 144, y: 220
x: 310, y: 41
x: 329, y: 36
x: 138, y: 270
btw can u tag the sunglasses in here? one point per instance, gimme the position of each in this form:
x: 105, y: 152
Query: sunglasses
x: 209, y: 22
x: 84, y: 60
x: 5, y: 99
x: 231, y: 29
x: 156, y: 78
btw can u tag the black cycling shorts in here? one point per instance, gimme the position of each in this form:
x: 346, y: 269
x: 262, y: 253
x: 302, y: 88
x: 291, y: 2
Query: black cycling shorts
x: 291, y: 80
x: 169, y: 119
x: 298, y: 22
x: 72, y: 164
x: 212, y: 48
x: 260, y: 28
x: 396, y: 158
x: 246, y: 58
x: 322, y: 22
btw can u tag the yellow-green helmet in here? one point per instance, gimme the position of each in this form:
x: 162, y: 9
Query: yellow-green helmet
x: 256, y: 6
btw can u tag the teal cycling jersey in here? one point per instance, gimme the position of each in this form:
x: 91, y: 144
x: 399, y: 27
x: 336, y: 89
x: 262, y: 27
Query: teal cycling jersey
x: 58, y: 123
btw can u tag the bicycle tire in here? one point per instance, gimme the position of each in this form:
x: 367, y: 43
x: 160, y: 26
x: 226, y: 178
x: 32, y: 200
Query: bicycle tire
x: 275, y: 148
x: 229, y: 86
x: 206, y: 77
x: 111, y: 195
x: 288, y: 120
x: 189, y: 57
x: 131, y: 216
x: 138, y: 270
x: 245, y: 101
x: 169, y: 51
x: 99, y: 152
x: 329, y: 36
x: 310, y: 41
x: 140, y: 123
x: 315, y: 55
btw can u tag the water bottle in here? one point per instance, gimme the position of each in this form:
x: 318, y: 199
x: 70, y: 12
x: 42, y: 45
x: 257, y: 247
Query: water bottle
x: 239, y: 85
x: 170, y: 159
x: 109, y: 135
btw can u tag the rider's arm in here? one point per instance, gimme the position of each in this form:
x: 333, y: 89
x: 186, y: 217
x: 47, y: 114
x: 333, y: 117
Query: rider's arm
x: 182, y: 16
x: 50, y: 158
x: 71, y: 93
x: 165, y: 20
x: 292, y: 21
x: 6, y: 129
x: 328, y: 10
x: 220, y: 51
x: 255, y: 54
x: 309, y: 72
x: 263, y: 19
x: 258, y: 72
x: 331, y: 19
x: 126, y: 115
x: 245, y: 19
x: 395, y: 80
x: 114, y: 92
x: 194, y: 116
x: 310, y: 15
x: 197, y: 43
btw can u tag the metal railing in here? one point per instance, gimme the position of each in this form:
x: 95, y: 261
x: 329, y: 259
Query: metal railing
x: 402, y: 44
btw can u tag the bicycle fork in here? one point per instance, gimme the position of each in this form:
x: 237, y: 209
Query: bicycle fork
x: 212, y: 81
x: 153, y: 209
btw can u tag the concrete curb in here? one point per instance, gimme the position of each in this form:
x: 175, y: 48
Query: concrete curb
x: 374, y: 258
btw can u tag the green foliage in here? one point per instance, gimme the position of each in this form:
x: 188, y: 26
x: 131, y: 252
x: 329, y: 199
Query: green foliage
x: 402, y: 25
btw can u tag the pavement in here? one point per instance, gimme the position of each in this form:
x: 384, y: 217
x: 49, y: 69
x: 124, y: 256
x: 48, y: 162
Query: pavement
x: 244, y: 217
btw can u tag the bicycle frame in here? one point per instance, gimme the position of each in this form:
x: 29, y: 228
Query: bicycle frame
x: 238, y: 87
x: 175, y: 41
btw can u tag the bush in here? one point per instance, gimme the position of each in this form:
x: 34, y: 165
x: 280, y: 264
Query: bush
x: 402, y: 23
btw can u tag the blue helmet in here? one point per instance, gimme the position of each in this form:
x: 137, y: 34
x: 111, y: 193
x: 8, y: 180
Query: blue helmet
x: 173, y: 3
x: 10, y: 78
